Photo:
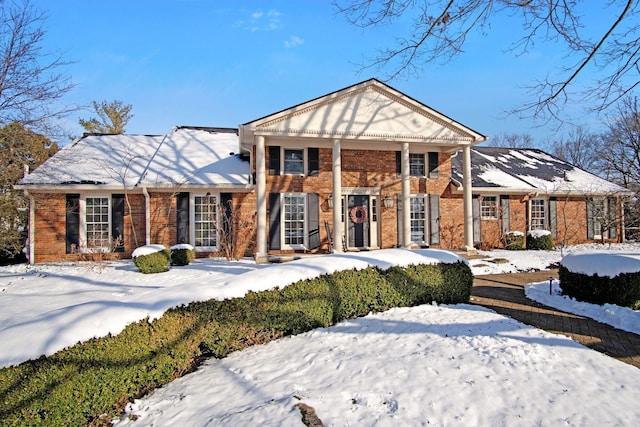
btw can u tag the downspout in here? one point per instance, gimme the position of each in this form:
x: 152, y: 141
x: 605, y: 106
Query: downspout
x: 31, y: 228
x: 147, y: 217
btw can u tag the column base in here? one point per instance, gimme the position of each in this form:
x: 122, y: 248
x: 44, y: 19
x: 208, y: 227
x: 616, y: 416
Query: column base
x: 261, y: 258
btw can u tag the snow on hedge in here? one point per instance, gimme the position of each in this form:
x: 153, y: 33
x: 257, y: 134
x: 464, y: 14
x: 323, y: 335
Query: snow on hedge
x: 604, y: 264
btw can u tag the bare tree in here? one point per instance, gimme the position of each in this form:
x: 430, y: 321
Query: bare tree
x: 439, y: 29
x: 113, y: 118
x: 620, y: 150
x: 513, y: 140
x: 580, y: 148
x: 32, y: 81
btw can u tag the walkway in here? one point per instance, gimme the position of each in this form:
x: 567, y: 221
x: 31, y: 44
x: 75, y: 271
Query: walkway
x: 504, y: 293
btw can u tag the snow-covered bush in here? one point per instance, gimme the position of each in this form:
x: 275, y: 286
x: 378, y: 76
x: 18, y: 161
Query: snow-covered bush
x: 151, y: 259
x: 539, y: 240
x: 514, y: 241
x: 587, y: 277
x: 182, y: 254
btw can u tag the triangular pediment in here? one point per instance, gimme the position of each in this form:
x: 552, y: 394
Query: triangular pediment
x: 367, y: 111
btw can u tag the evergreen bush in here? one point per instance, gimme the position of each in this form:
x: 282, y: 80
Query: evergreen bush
x: 539, y: 240
x: 182, y: 254
x: 514, y: 241
x: 93, y: 381
x: 622, y: 290
x: 152, y: 259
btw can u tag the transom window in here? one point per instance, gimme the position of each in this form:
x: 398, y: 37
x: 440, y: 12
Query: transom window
x: 294, y: 161
x: 418, y: 219
x: 489, y: 207
x: 538, y: 214
x: 204, y: 221
x: 416, y: 164
x: 294, y: 219
x: 97, y: 222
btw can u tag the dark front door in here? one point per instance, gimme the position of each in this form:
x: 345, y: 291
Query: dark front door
x: 358, y: 219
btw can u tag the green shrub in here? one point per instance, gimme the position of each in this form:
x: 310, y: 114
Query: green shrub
x: 91, y: 382
x: 182, y: 255
x: 514, y: 241
x: 622, y: 290
x: 539, y: 242
x: 155, y: 262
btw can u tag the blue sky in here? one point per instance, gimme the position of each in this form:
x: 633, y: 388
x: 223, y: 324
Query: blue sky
x: 223, y: 63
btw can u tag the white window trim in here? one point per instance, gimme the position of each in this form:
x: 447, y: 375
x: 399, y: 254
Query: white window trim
x: 305, y: 237
x: 545, y: 220
x: 305, y: 162
x: 192, y: 222
x: 425, y: 164
x: 427, y: 223
x: 497, y: 208
x: 605, y: 207
x: 82, y: 213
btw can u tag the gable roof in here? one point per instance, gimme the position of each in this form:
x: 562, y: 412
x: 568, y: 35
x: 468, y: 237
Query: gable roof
x: 186, y: 156
x: 517, y: 170
x: 97, y: 159
x: 370, y: 111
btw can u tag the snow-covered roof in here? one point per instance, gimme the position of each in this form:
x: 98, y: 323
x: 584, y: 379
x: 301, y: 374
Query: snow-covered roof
x: 106, y: 160
x: 197, y: 156
x: 529, y: 170
x: 186, y: 156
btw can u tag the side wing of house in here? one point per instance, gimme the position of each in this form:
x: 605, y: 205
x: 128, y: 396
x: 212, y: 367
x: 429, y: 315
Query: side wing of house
x: 522, y: 190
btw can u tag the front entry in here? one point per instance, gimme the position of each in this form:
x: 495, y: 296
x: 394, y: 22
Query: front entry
x: 359, y: 221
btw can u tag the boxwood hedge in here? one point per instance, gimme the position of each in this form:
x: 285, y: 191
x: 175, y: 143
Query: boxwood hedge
x: 622, y: 290
x: 92, y: 382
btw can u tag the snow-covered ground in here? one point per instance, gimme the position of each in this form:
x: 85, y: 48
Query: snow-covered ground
x: 442, y: 365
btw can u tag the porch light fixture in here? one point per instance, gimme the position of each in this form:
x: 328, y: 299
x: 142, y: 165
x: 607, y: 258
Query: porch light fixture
x: 330, y: 201
x: 388, y: 201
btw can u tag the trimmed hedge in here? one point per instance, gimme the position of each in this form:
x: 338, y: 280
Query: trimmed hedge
x: 540, y: 243
x: 182, y: 256
x: 622, y: 290
x: 92, y: 382
x: 514, y: 241
x: 156, y: 262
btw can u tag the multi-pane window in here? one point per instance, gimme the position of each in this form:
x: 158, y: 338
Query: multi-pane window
x: 538, y: 214
x: 97, y: 222
x: 416, y: 164
x: 418, y: 219
x: 293, y: 219
x: 294, y: 161
x: 599, y: 209
x: 489, y: 207
x: 204, y: 221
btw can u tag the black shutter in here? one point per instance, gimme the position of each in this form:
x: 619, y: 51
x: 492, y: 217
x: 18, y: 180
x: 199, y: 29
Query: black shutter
x: 313, y: 220
x: 433, y: 164
x: 182, y: 220
x: 434, y: 219
x: 274, y: 160
x: 226, y: 201
x: 117, y: 221
x: 613, y: 223
x: 398, y: 163
x: 475, y: 204
x: 553, y: 217
x: 506, y: 219
x: 72, y: 228
x: 313, y: 161
x: 590, y: 230
x: 274, y: 221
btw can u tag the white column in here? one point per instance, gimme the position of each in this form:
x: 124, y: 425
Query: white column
x: 467, y: 198
x: 338, y: 232
x: 406, y: 196
x: 261, y: 201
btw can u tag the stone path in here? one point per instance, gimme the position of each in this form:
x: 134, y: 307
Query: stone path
x: 504, y: 293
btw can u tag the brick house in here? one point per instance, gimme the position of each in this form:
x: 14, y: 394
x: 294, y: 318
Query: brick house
x: 362, y: 168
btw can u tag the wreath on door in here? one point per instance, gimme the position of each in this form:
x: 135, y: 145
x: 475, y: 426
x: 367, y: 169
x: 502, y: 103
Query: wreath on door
x: 358, y: 214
